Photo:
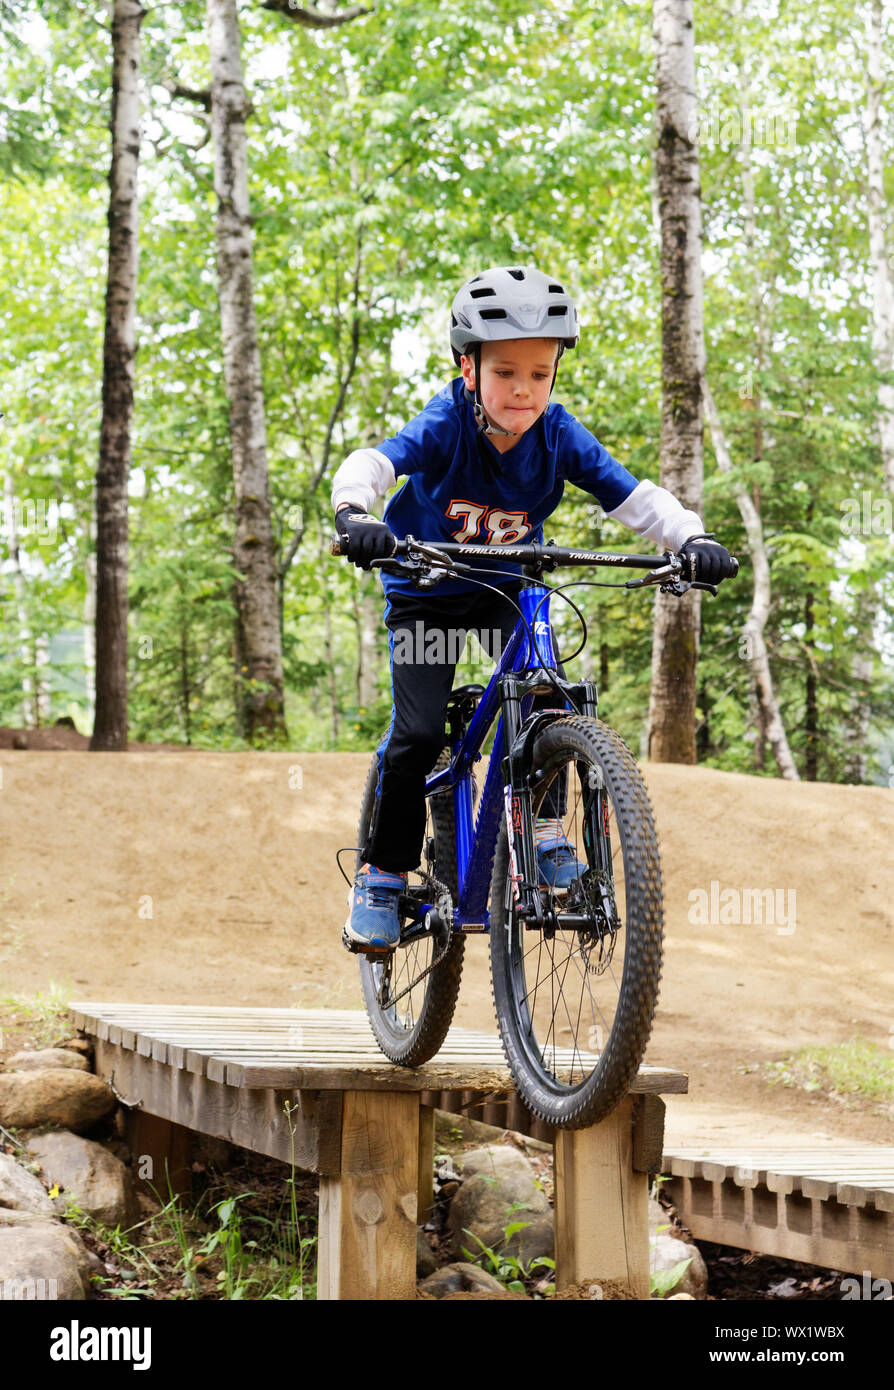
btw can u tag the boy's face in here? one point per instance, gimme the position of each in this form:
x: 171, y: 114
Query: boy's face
x: 516, y: 378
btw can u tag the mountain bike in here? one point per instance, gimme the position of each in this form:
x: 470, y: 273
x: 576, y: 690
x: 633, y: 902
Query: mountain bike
x: 575, y: 972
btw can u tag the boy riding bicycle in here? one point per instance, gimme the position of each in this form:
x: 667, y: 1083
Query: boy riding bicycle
x: 486, y: 463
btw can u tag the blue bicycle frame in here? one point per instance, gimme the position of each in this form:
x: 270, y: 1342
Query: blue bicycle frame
x: 519, y: 675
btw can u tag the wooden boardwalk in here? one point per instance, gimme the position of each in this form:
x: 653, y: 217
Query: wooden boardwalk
x: 830, y: 1205
x: 311, y: 1087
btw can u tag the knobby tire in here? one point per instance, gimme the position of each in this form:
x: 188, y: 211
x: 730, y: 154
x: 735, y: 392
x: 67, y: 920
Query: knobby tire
x: 557, y: 992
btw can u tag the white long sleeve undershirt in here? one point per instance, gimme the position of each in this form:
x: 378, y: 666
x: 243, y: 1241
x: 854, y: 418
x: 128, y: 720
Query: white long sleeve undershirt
x: 651, y: 511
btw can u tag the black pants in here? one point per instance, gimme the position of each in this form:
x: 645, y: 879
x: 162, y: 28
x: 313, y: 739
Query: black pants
x: 427, y: 640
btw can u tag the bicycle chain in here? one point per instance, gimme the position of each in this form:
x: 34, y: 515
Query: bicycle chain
x: 444, y: 905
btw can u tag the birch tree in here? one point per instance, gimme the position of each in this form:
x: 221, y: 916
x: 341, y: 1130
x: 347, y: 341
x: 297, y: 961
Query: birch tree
x: 110, y: 723
x: 879, y: 251
x: 754, y: 643
x: 253, y: 544
x: 753, y: 646
x: 676, y: 621
x: 882, y: 319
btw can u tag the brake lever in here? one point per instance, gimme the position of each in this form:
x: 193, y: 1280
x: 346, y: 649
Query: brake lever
x: 682, y: 586
x: 658, y: 576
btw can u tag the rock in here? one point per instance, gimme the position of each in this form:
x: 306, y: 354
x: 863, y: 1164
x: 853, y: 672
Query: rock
x: 425, y: 1257
x: 149, y: 1207
x: 476, y: 1279
x: 665, y: 1251
x: 21, y: 1190
x: 47, y: 1057
x: 54, y: 1095
x: 443, y: 1281
x: 451, y: 1130
x: 498, y: 1190
x: 88, y: 1263
x: 495, y: 1162
x: 89, y: 1175
x: 461, y: 1278
x: 38, y: 1261
x: 658, y: 1217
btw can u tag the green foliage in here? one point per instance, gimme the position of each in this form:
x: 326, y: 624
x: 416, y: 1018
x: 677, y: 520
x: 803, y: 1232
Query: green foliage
x: 389, y: 158
x: 512, y: 1272
x: 855, y: 1068
x: 664, y: 1281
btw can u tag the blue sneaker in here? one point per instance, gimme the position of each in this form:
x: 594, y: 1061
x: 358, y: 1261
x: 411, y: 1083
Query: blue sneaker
x: 373, y: 924
x: 558, y: 864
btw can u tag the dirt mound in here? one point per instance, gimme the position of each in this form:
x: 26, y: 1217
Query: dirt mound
x: 210, y: 878
x: 64, y: 738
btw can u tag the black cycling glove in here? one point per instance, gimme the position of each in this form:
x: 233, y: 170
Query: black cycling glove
x: 368, y: 538
x: 706, y: 560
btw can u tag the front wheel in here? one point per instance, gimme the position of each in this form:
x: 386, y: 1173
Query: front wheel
x: 575, y: 999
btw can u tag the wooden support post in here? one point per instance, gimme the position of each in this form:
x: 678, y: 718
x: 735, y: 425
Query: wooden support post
x: 426, y: 1184
x: 367, y: 1234
x: 160, y: 1151
x: 602, y: 1219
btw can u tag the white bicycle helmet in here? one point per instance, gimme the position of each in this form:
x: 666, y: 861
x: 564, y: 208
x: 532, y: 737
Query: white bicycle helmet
x: 512, y: 302
x: 504, y: 303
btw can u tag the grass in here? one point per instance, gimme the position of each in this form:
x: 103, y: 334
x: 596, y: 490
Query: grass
x: 244, y: 1245
x: 44, y: 1015
x: 856, y: 1068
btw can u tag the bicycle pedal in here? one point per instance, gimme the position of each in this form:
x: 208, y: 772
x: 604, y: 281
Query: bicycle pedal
x: 357, y: 948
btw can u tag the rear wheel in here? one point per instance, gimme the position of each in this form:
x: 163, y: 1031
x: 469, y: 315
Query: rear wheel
x: 575, y: 1001
x: 409, y: 1003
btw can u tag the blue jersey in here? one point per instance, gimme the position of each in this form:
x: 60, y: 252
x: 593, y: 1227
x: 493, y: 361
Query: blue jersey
x: 460, y: 488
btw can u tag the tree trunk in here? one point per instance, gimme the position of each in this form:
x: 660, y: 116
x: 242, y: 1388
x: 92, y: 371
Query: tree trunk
x: 90, y: 625
x: 868, y: 602
x: 882, y: 279
x: 369, y: 622
x: 676, y: 622
x: 254, y: 548
x: 754, y: 647
x: 110, y: 722
x: 26, y: 647
x: 811, y: 708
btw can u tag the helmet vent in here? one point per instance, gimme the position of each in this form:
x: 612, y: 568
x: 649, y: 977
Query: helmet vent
x: 480, y: 294
x: 493, y: 313
x: 517, y: 274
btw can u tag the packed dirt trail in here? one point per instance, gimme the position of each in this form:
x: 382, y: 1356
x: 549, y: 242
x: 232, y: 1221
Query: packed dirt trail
x: 195, y: 877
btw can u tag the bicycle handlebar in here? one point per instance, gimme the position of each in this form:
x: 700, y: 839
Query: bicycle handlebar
x: 666, y: 569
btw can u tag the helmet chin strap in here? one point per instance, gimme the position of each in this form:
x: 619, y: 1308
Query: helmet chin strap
x: 485, y: 425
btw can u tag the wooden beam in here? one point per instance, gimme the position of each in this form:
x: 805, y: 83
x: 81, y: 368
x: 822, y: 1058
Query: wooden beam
x: 426, y: 1185
x: 253, y: 1119
x: 367, y: 1230
x: 161, y: 1154
x: 602, y: 1221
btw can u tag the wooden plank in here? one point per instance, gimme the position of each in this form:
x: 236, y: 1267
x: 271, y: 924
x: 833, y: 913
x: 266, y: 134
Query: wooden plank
x: 255, y: 1120
x: 265, y: 1041
x: 602, y: 1223
x: 381, y: 1077
x: 805, y: 1229
x: 367, y: 1226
